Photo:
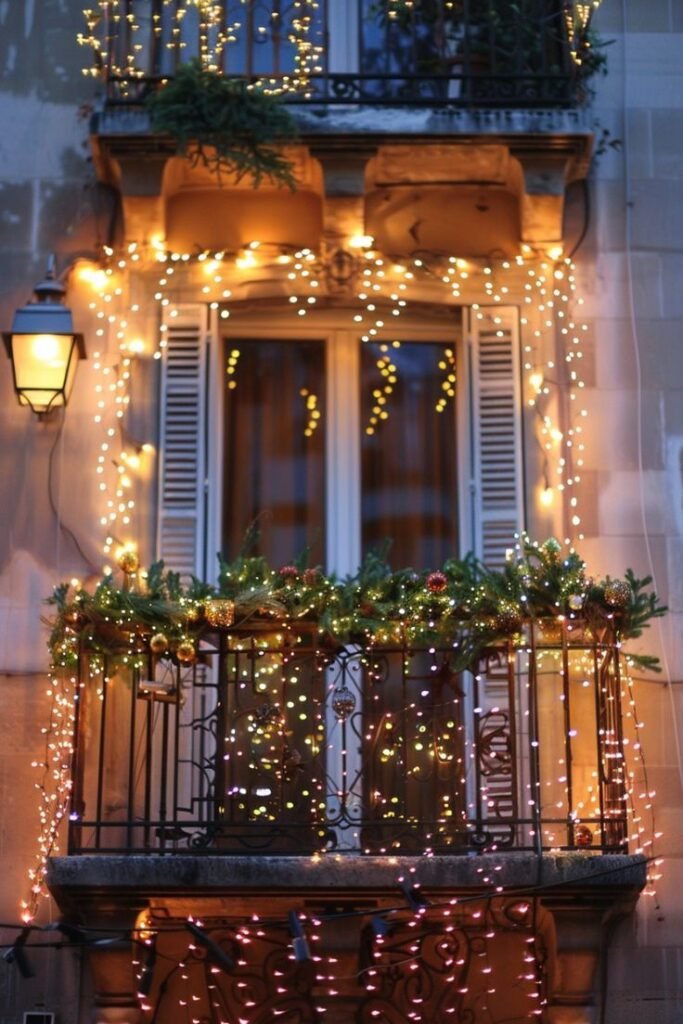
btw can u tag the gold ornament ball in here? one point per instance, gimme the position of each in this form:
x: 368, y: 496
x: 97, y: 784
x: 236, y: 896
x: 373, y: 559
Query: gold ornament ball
x: 158, y: 643
x: 220, y: 612
x: 575, y: 602
x: 185, y: 652
x: 618, y: 594
x: 128, y: 561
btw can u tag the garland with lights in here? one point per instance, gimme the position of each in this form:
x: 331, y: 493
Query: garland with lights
x: 463, y: 605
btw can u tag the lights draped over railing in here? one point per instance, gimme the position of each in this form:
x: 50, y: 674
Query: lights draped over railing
x: 288, y: 712
x: 287, y: 746
x: 280, y: 48
x: 407, y: 52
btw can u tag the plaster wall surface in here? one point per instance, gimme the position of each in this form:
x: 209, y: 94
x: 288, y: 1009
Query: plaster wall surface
x: 48, y: 202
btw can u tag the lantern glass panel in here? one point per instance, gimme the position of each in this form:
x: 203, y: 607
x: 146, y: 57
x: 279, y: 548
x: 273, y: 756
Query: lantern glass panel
x: 44, y: 368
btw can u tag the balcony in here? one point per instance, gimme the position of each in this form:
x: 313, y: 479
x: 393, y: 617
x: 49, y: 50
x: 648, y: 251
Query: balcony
x: 484, y: 114
x: 279, y: 744
x: 375, y: 792
x: 430, y: 54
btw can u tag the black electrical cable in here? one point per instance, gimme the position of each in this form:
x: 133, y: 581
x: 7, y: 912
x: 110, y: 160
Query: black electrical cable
x: 585, y: 189
x: 50, y: 496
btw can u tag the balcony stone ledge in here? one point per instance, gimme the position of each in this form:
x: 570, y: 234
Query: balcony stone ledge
x: 576, y: 894
x: 74, y: 876
x: 363, y: 119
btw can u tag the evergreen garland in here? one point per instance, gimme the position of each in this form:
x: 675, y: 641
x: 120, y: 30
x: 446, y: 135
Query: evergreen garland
x: 463, y: 605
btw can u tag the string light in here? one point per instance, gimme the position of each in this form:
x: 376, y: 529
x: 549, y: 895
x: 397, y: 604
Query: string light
x: 118, y: 460
x: 56, y: 783
x: 549, y: 293
x: 578, y: 15
x: 313, y: 412
x: 381, y: 395
x: 176, y: 22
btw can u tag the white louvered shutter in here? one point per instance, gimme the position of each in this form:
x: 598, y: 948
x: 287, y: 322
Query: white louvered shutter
x: 497, y: 470
x: 497, y: 514
x: 181, y: 436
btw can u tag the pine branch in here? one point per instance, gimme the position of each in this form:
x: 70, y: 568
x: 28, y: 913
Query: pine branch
x: 225, y: 125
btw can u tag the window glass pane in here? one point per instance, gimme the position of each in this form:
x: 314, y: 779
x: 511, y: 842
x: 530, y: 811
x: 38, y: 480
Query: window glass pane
x: 409, y: 487
x: 274, y: 448
x: 263, y: 40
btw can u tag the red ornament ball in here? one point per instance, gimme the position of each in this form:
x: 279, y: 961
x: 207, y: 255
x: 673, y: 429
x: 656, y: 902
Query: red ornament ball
x: 583, y: 836
x: 436, y: 582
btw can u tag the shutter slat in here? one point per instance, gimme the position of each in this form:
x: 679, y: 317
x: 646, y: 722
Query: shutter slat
x: 181, y: 480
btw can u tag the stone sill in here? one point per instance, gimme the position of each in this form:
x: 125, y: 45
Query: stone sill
x: 389, y: 122
x: 259, y: 875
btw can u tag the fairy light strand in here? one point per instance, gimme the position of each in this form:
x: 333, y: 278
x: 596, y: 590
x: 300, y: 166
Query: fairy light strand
x: 549, y: 292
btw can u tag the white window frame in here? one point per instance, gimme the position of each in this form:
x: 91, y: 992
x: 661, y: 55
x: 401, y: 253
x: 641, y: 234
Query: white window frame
x: 342, y: 425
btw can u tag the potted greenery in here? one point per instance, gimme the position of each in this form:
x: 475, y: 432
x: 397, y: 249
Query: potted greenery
x: 224, y: 124
x: 487, y: 44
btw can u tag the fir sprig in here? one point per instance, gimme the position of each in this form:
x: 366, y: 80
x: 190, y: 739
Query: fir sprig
x: 225, y: 124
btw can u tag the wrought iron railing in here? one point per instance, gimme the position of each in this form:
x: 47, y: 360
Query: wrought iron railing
x: 277, y: 742
x: 466, y: 53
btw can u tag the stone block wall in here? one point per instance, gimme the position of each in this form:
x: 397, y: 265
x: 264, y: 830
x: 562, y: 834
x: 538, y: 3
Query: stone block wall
x: 631, y: 265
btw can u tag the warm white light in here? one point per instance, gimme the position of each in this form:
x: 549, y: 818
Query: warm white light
x: 46, y: 349
x: 246, y: 261
x: 94, y: 276
x: 44, y: 369
x: 361, y: 241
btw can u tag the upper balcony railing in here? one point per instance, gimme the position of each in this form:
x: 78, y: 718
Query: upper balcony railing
x: 276, y: 743
x: 457, y: 53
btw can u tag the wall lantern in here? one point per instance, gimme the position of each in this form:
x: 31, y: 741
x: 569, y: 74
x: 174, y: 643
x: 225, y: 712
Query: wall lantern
x: 44, y: 348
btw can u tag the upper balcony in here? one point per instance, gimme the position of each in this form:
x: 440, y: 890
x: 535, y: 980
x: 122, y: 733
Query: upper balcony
x: 496, y: 90
x: 431, y: 53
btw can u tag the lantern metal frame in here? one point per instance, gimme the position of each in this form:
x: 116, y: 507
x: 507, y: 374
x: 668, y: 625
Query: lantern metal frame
x: 45, y: 315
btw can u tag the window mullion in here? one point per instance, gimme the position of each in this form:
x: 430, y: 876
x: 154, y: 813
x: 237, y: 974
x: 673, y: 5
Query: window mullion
x: 343, y: 453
